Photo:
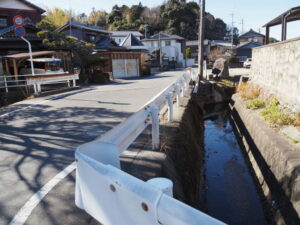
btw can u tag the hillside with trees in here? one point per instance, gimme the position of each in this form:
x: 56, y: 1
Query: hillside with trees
x: 173, y: 17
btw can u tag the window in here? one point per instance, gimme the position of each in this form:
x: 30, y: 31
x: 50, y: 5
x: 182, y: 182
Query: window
x: 152, y: 44
x: 168, y: 43
x: 3, y: 21
x: 92, y: 38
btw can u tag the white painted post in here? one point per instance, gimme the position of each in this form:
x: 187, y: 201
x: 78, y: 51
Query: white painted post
x: 205, y: 68
x: 36, y: 87
x: 178, y: 95
x: 74, y: 83
x: 5, y: 83
x: 68, y: 83
x: 155, y: 127
x: 170, y: 106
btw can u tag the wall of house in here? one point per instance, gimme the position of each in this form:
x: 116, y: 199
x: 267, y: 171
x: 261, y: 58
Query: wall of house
x: 276, y: 67
x: 254, y: 39
x: 11, y: 8
x: 75, y: 33
x: 9, y: 14
x: 14, y: 4
x: 120, y: 39
x: 172, y: 51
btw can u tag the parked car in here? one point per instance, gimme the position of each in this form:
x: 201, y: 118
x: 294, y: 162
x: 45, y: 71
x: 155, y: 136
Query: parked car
x: 43, y: 66
x: 247, y: 63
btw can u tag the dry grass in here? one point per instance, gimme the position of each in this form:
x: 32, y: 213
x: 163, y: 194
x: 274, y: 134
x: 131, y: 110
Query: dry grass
x: 297, y: 121
x: 248, y: 91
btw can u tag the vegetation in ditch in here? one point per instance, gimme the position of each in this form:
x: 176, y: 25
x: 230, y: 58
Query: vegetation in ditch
x: 297, y: 121
x: 256, y: 104
x: 275, y: 115
x: 248, y: 92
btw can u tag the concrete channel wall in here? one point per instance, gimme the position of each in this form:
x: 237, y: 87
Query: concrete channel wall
x: 276, y: 67
x: 274, y: 160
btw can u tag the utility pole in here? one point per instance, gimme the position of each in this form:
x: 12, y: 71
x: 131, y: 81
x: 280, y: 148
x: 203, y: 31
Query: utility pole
x: 201, y: 38
x: 232, y: 28
x: 242, y: 23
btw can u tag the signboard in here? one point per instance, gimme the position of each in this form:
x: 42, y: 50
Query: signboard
x: 20, y: 31
x: 19, y: 21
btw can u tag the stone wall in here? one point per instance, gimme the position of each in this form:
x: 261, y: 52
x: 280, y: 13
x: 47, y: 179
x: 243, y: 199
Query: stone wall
x: 276, y: 67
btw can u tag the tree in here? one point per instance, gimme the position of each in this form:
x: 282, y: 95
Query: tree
x: 97, y: 18
x: 55, y: 18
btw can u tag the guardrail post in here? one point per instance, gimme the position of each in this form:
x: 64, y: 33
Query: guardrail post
x: 170, y: 106
x: 155, y: 127
x: 177, y: 95
x: 5, y: 83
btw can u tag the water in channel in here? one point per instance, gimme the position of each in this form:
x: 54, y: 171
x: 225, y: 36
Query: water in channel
x: 231, y: 193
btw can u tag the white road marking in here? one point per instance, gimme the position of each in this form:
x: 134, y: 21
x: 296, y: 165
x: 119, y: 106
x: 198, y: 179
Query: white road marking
x: 23, y: 214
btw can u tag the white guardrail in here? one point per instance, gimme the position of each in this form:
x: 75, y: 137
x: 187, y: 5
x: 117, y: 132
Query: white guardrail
x: 9, y: 81
x: 114, y: 197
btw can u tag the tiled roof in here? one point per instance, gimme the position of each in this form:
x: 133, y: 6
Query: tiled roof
x: 125, y: 33
x: 82, y: 26
x: 249, y: 45
x: 105, y: 43
x: 251, y: 33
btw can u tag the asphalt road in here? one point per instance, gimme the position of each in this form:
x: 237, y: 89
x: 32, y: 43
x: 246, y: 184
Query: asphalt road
x: 38, y: 138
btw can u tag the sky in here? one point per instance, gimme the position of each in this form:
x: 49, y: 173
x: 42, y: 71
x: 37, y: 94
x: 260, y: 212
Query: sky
x: 254, y: 13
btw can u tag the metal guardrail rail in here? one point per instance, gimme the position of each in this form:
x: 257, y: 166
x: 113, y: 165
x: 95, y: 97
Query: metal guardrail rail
x: 114, y: 197
x: 28, y: 80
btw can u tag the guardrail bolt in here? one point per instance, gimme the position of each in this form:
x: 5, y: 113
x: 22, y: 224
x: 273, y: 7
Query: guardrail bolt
x: 112, y: 188
x: 145, y: 207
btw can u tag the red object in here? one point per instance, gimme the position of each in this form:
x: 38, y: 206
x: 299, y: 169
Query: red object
x: 20, y: 31
x: 46, y: 68
x: 19, y: 21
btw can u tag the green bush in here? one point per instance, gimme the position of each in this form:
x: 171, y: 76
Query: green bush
x: 99, y: 77
x: 234, y: 59
x: 275, y: 115
x: 256, y: 104
x: 146, y: 70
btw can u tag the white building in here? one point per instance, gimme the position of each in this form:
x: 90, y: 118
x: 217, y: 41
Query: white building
x: 171, y: 46
x: 120, y: 36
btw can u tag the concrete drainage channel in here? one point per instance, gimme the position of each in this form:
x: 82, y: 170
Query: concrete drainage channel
x: 231, y: 193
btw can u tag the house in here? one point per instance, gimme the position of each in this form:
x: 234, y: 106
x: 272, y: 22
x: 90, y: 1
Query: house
x: 172, y: 46
x: 121, y: 63
x: 11, y: 8
x: 221, y: 48
x: 194, y: 45
x: 32, y: 14
x: 120, y: 36
x: 245, y: 51
x: 133, y: 43
x: 251, y: 36
x: 84, y: 32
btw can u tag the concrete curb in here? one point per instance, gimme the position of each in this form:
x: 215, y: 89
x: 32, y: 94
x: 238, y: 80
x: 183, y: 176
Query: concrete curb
x: 275, y: 162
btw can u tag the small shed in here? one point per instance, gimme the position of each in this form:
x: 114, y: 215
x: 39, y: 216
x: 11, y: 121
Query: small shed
x: 122, y: 64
